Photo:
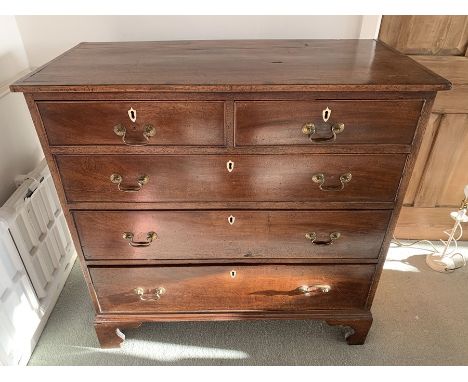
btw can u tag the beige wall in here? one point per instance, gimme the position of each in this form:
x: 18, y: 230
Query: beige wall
x: 19, y: 147
x: 46, y: 36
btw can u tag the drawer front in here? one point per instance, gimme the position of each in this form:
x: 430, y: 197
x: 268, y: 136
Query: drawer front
x: 231, y: 234
x: 183, y: 123
x: 231, y: 288
x: 363, y: 122
x: 205, y: 178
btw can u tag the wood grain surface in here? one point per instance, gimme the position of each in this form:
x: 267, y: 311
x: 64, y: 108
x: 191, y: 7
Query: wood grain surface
x: 248, y: 235
x: 212, y: 288
x: 365, y: 122
x: 211, y: 102
x: 454, y: 68
x: 234, y: 65
x: 188, y: 123
x: 189, y: 178
x: 426, y: 34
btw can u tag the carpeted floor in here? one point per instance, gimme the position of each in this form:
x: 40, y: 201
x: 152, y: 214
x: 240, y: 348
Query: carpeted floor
x: 420, y: 318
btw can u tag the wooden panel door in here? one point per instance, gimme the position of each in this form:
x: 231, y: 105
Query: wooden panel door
x: 440, y: 43
x: 454, y: 101
x: 434, y: 35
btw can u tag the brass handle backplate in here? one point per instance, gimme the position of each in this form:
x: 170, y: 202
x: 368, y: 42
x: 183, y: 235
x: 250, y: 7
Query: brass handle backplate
x: 307, y: 290
x: 118, y: 179
x: 320, y: 179
x: 310, y: 130
x: 150, y: 236
x: 148, y: 132
x: 312, y: 236
x: 150, y: 295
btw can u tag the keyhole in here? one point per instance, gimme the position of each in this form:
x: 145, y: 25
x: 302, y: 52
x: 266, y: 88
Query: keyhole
x: 230, y: 166
x: 233, y: 274
x: 326, y: 114
x: 231, y: 220
x: 132, y: 114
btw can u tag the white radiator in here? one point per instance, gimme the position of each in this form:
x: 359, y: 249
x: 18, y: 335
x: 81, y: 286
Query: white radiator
x: 36, y: 256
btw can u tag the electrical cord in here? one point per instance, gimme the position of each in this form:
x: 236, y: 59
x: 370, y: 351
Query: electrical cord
x: 453, y: 253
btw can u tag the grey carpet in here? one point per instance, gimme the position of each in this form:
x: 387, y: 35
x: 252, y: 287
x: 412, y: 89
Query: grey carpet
x: 420, y: 318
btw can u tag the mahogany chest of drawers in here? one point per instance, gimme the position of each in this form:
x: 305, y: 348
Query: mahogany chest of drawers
x: 231, y: 180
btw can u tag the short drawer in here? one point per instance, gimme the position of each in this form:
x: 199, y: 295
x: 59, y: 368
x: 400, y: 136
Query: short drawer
x: 181, y: 123
x: 326, y: 122
x: 231, y: 288
x: 112, y: 235
x: 211, y: 178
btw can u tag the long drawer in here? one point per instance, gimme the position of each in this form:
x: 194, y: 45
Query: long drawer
x: 111, y: 235
x: 326, y: 122
x: 205, y: 178
x: 231, y: 288
x: 181, y: 123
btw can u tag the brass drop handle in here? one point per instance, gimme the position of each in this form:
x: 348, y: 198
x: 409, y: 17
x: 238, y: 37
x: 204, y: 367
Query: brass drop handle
x: 141, y: 181
x: 308, y: 290
x: 313, y: 238
x: 148, y: 131
x: 320, y: 179
x: 150, y: 236
x: 310, y: 129
x: 149, y: 295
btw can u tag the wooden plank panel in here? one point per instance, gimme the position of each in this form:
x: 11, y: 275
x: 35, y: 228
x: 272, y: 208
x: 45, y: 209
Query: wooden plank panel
x: 392, y: 28
x: 445, y: 156
x: 425, y: 223
x: 453, y: 101
x: 424, y: 151
x: 436, y: 35
x: 457, y: 176
x: 456, y: 70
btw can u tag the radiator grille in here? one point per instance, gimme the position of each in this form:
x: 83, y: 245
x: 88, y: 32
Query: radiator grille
x: 36, y: 256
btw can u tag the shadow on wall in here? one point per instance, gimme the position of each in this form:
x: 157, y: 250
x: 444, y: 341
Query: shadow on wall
x: 20, y: 151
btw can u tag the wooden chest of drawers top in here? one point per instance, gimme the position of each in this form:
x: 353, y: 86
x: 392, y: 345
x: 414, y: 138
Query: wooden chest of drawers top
x: 231, y: 179
x: 232, y: 66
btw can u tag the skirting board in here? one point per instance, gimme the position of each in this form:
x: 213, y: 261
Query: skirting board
x: 425, y: 223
